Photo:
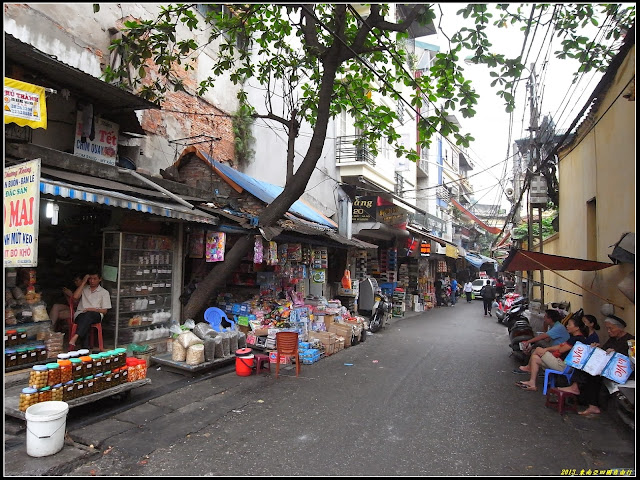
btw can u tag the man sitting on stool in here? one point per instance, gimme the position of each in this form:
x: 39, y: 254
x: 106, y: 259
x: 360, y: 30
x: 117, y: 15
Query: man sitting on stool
x: 94, y: 303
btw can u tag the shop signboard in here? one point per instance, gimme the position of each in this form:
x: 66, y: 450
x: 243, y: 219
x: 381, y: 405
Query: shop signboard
x: 364, y: 209
x: 24, y: 104
x: 96, y: 138
x: 21, y: 214
x: 377, y: 209
x: 425, y: 248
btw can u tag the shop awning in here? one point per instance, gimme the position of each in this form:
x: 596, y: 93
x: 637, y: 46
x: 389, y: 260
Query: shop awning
x: 121, y: 200
x: 430, y: 236
x: 624, y: 250
x: 494, y: 230
x: 478, y: 260
x: 522, y: 261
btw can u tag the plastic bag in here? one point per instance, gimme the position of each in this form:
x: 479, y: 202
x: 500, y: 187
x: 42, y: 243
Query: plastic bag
x: 218, y: 347
x: 178, y: 352
x: 195, y: 354
x: 187, y: 339
x: 190, y: 324
x: 242, y: 340
x: 233, y: 337
x: 210, y: 348
x: 226, y: 344
x: 203, y: 329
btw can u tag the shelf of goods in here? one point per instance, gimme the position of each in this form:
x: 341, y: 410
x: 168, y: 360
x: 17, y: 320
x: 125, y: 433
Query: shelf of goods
x: 138, y: 273
x: 398, y: 304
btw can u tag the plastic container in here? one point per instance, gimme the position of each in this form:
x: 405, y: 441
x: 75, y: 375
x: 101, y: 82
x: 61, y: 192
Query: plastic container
x: 46, y: 425
x: 22, y: 355
x: 97, y: 363
x: 121, y: 356
x: 73, y: 354
x: 107, y: 380
x: 63, y: 356
x: 116, y: 377
x: 77, y: 368
x: 106, y: 361
x: 87, y: 364
x: 66, y: 373
x: 28, y: 397
x: 42, y: 352
x: 32, y: 354
x: 98, y: 382
x: 244, y: 362
x: 22, y: 335
x: 57, y: 393
x: 44, y: 394
x: 83, y: 352
x: 10, y: 357
x: 89, y: 385
x: 39, y: 376
x: 78, y: 388
x: 132, y: 369
x: 54, y: 374
x: 67, y: 391
x: 12, y: 338
x: 124, y: 374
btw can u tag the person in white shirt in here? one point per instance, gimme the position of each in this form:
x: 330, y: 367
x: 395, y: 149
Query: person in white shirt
x: 94, y: 303
x: 468, y: 290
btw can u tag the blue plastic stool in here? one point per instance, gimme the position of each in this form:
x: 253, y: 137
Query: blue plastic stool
x: 213, y: 316
x: 550, y: 381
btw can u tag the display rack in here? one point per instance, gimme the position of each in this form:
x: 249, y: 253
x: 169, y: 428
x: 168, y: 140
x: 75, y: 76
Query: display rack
x: 398, y: 304
x: 138, y: 273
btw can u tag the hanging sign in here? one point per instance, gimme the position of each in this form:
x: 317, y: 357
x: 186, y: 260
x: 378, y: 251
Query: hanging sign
x: 96, y: 138
x: 425, y: 248
x: 21, y: 214
x: 215, y: 246
x: 24, y: 104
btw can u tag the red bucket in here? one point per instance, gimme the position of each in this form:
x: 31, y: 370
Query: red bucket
x: 244, y: 362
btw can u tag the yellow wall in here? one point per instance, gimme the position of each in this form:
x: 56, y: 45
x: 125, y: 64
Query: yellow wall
x: 600, y: 166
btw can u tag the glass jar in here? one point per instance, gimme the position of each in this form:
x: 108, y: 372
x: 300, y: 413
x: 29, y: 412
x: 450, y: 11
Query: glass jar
x: 77, y: 369
x: 28, y: 397
x: 66, y: 373
x: 124, y: 374
x: 97, y: 363
x: 107, y: 360
x: 67, y: 391
x: 142, y: 368
x: 108, y: 380
x: 83, y: 352
x: 22, y: 335
x: 121, y: 356
x: 63, y: 356
x: 98, y: 384
x: 54, y: 374
x: 38, y: 376
x: 78, y: 388
x: 57, y: 392
x: 117, y: 376
x: 10, y: 357
x: 89, y: 385
x: 44, y: 394
x: 12, y: 337
x: 22, y: 355
x: 32, y: 354
x: 73, y: 354
x: 42, y: 353
x: 87, y: 363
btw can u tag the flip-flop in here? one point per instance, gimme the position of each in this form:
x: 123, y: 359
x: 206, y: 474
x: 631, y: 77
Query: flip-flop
x: 520, y: 384
x: 521, y: 372
x: 528, y: 388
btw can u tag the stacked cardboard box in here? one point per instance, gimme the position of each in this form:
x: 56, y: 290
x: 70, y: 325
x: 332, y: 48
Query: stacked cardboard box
x: 342, y: 330
x: 327, y: 339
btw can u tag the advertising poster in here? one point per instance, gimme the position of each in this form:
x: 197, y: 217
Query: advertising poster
x: 24, y: 104
x: 21, y: 214
x: 215, y: 246
x: 196, y: 243
x: 96, y: 138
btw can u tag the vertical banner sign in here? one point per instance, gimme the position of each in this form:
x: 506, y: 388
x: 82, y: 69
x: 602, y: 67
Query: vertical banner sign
x: 214, y: 251
x: 21, y: 214
x: 24, y: 104
x: 96, y: 139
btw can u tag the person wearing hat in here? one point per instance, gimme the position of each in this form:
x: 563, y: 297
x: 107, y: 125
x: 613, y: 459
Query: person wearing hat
x: 588, y: 386
x: 592, y: 324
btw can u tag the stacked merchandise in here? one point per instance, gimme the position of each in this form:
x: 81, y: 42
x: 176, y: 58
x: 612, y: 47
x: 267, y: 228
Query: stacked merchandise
x: 392, y: 265
x: 361, y: 265
x: 398, y: 303
x: 307, y: 354
x: 403, y: 276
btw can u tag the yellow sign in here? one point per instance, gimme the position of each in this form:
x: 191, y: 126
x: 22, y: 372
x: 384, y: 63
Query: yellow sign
x: 452, y: 251
x: 24, y: 104
x: 21, y: 214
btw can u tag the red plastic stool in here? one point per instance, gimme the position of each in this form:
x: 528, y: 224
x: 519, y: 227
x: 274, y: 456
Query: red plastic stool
x: 562, y: 401
x: 261, y: 360
x: 98, y: 327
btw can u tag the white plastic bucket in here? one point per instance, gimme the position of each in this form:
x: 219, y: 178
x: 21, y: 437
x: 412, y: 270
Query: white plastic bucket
x: 46, y: 424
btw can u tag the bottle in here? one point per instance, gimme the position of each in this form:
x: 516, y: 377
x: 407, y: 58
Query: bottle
x: 38, y: 376
x: 67, y: 391
x: 44, y: 394
x: 66, y: 372
x: 54, y: 374
x: 57, y: 393
x: 28, y: 397
x: 97, y: 363
x: 87, y: 364
x: 77, y: 370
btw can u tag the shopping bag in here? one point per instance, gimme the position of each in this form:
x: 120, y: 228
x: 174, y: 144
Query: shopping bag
x: 579, y: 355
x: 618, y: 369
x: 597, y: 361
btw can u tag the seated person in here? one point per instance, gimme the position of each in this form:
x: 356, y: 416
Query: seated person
x: 555, y: 332
x: 592, y: 324
x: 588, y: 386
x: 553, y: 356
x: 94, y: 303
x: 60, y: 311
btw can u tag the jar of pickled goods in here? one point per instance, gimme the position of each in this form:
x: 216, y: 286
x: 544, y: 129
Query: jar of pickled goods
x: 117, y: 375
x: 121, y: 356
x: 73, y: 354
x: 87, y: 363
x: 108, y: 380
x: 67, y: 391
x: 83, y: 351
x: 32, y: 354
x: 89, y: 385
x: 63, y: 356
x: 124, y: 374
x: 54, y: 374
x: 42, y: 352
x: 10, y: 357
x: 132, y: 369
x: 98, y: 384
x: 11, y: 338
x: 22, y: 335
x: 77, y: 368
x: 107, y: 359
x: 57, y: 392
x: 97, y: 363
x: 142, y: 365
x: 22, y: 355
x: 78, y: 388
x: 38, y: 376
x: 66, y: 373
x: 28, y: 397
x: 44, y: 394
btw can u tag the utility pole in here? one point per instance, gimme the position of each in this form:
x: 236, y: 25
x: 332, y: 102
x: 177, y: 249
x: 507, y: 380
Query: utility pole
x: 533, y: 158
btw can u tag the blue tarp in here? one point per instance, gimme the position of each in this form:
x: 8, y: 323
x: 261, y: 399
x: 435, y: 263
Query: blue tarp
x: 478, y: 260
x: 268, y: 192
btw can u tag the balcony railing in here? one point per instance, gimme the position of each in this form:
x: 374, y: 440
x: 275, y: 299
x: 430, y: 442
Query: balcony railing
x: 346, y: 151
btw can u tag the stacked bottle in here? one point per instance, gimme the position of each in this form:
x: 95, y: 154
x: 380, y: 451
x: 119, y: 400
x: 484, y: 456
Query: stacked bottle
x: 68, y: 391
x: 28, y: 397
x: 54, y: 374
x: 97, y: 363
x: 44, y: 394
x: 38, y: 376
x: 77, y: 368
x: 89, y: 385
x: 57, y: 393
x: 10, y: 357
x: 66, y: 373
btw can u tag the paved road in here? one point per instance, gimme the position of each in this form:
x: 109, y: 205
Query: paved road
x: 432, y: 394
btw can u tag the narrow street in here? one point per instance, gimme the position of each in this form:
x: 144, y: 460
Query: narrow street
x: 432, y: 394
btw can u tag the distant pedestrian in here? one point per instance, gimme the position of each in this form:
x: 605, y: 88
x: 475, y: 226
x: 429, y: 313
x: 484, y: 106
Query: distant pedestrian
x: 468, y: 290
x: 488, y: 294
x: 454, y: 291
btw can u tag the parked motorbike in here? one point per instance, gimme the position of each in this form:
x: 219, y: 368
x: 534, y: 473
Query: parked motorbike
x: 519, y: 328
x: 515, y: 311
x: 505, y: 304
x: 380, y: 313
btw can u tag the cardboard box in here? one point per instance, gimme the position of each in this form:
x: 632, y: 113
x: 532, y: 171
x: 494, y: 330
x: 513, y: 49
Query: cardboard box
x: 284, y: 359
x: 261, y: 332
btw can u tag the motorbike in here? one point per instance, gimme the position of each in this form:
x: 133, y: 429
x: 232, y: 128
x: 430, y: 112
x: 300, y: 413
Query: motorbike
x: 519, y: 328
x: 380, y: 313
x: 504, y: 304
x: 514, y: 312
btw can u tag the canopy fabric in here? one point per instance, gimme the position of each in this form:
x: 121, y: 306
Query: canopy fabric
x: 478, y: 260
x: 494, y: 230
x: 624, y: 250
x: 522, y: 261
